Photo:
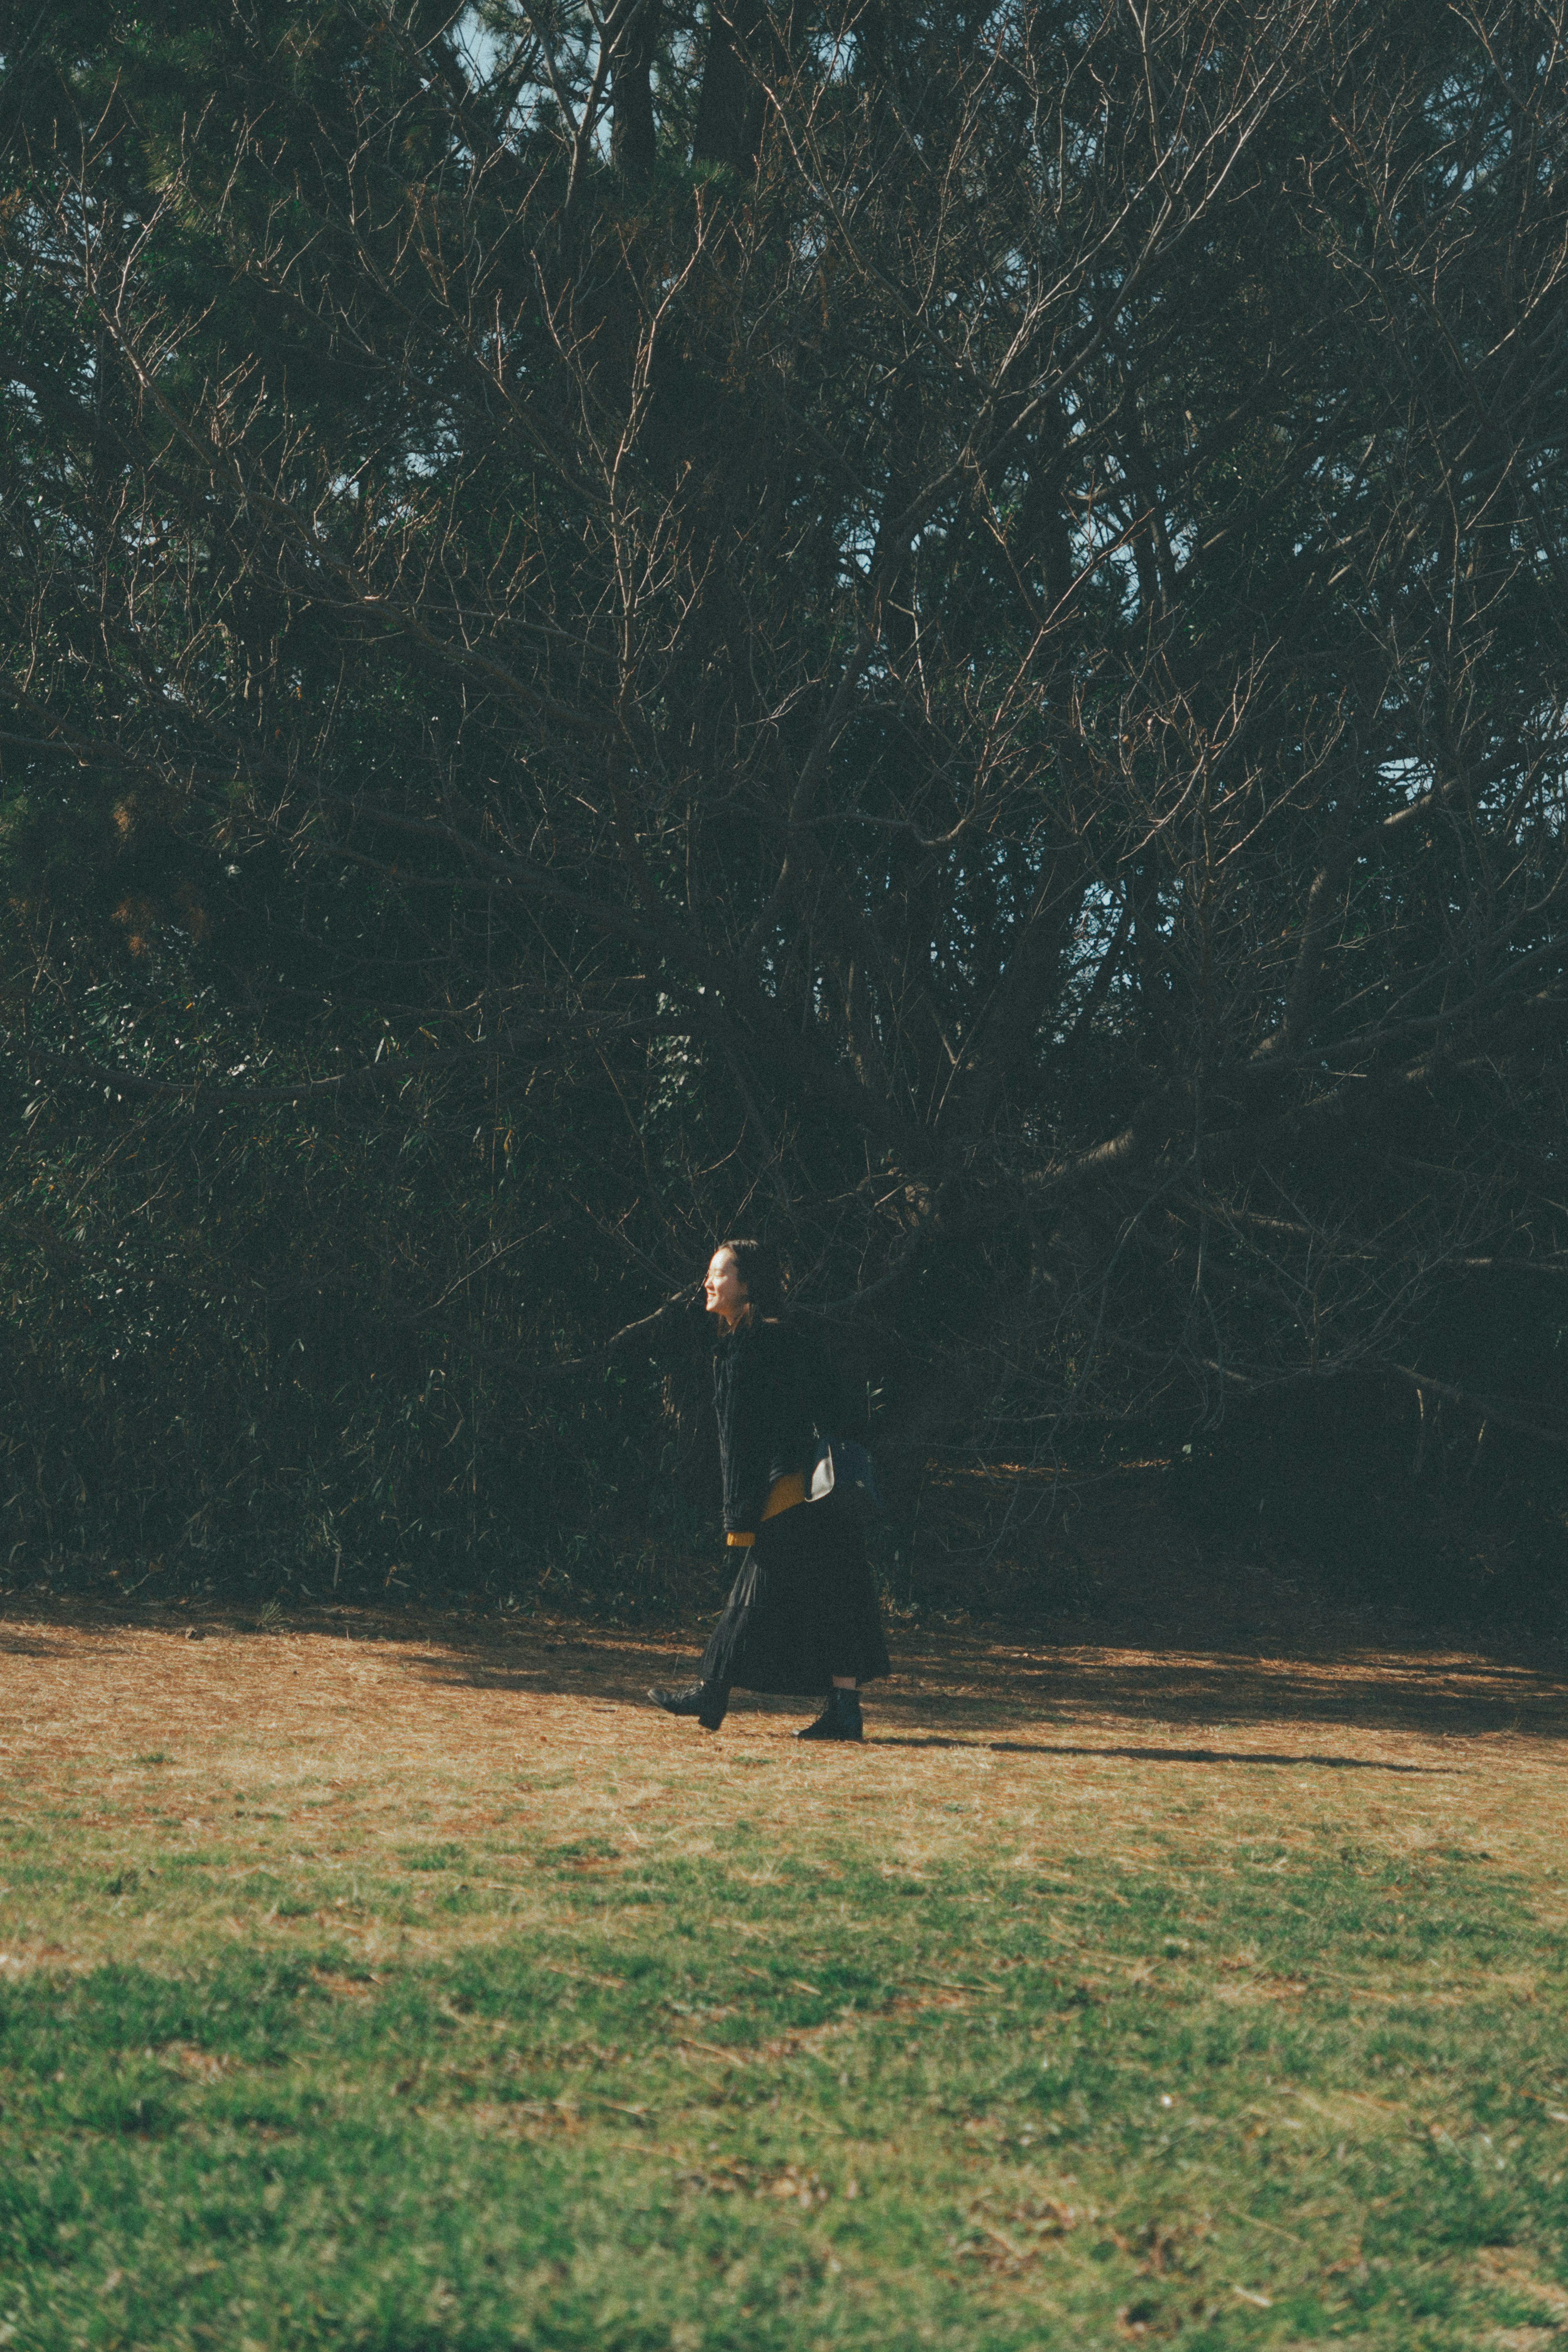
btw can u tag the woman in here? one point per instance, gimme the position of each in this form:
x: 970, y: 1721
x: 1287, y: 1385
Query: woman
x: 802, y: 1616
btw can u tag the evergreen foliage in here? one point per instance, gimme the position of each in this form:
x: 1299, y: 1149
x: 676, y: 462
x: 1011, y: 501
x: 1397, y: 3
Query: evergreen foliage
x: 940, y: 629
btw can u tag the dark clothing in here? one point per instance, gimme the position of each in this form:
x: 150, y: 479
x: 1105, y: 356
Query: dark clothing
x: 772, y: 1386
x: 804, y: 1608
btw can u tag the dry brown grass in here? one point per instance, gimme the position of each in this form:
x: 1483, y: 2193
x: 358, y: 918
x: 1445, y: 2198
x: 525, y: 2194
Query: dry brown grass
x: 1232, y: 2011
x: 355, y: 1733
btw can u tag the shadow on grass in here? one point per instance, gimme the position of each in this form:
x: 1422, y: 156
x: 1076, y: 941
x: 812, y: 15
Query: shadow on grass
x: 1169, y: 1755
x: 970, y: 1685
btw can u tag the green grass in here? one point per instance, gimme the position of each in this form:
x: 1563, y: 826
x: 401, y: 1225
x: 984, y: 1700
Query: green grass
x: 770, y: 2098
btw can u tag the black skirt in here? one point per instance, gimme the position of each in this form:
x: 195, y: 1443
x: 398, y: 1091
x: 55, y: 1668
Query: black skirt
x: 803, y: 1610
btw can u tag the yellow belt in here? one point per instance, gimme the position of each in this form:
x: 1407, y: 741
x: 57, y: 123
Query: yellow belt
x: 782, y: 1496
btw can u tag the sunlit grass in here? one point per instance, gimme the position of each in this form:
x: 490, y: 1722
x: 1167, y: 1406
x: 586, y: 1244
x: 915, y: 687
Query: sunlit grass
x: 653, y: 2044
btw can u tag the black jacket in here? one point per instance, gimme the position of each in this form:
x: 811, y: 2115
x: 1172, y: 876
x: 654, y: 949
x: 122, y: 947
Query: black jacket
x: 772, y: 1387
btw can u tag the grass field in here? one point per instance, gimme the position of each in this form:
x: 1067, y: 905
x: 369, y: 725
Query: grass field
x: 417, y: 1989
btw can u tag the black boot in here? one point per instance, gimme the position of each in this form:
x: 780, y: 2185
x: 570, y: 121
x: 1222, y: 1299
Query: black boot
x: 709, y: 1702
x: 840, y: 1719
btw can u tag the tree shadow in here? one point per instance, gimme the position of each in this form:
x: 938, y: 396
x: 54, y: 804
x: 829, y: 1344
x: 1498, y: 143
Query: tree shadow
x: 969, y: 1686
x: 1169, y: 1755
x: 959, y: 1694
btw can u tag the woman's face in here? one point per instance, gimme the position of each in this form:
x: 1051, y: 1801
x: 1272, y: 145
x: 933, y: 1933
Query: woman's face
x: 723, y: 1290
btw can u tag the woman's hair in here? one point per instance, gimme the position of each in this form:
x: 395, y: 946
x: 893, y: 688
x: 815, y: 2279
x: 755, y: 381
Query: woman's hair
x: 758, y: 1268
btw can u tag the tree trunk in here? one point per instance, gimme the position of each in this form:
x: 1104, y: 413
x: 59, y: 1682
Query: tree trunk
x: 729, y: 111
x: 633, y: 140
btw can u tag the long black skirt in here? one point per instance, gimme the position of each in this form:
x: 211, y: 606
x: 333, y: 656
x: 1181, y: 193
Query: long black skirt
x: 803, y: 1610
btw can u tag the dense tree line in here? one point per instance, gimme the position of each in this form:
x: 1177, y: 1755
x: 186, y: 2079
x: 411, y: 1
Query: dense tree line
x: 939, y: 628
